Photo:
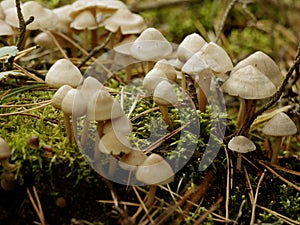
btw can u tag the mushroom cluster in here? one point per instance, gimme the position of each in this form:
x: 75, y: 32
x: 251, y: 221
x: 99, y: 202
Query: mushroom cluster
x: 90, y: 21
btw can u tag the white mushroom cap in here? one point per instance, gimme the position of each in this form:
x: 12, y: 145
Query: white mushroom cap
x: 164, y: 94
x: 114, y: 143
x: 63, y: 17
x: 249, y: 83
x: 63, y: 72
x: 191, y: 44
x: 73, y: 103
x: 264, y: 64
x: 5, y: 150
x: 121, y: 125
x: 84, y: 20
x: 241, y: 144
x: 195, y: 64
x: 126, y: 21
x: 133, y: 159
x: 280, y: 125
x: 89, y: 87
x: 5, y: 29
x: 151, y: 45
x: 59, y: 96
x: 155, y: 171
x: 102, y: 106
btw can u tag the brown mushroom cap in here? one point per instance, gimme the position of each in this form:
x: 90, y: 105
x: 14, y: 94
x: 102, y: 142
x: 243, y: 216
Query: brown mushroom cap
x: 151, y: 45
x: 191, y: 44
x: 241, y: 144
x: 126, y: 21
x: 280, y: 125
x: 63, y: 72
x: 5, y: 150
x: 102, y: 106
x: 264, y: 64
x: 164, y: 94
x: 249, y: 83
x: 154, y: 171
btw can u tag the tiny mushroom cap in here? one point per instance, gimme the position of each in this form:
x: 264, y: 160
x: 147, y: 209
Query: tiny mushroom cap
x: 73, y: 103
x: 133, y: 159
x: 241, y: 144
x: 102, y: 106
x: 155, y: 171
x: 114, y: 143
x: 280, y: 125
x: 89, y: 87
x: 62, y: 72
x: 162, y: 70
x: 121, y: 124
x: 191, y: 44
x: 264, y: 64
x: 5, y: 29
x: 59, y: 96
x: 151, y: 45
x: 63, y: 17
x: 126, y: 21
x: 5, y: 153
x: 249, y: 83
x: 164, y: 94
x: 84, y: 20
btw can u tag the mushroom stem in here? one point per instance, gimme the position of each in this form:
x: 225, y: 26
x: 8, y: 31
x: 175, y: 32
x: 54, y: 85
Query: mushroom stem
x: 183, y: 84
x: 7, y: 165
x: 68, y: 126
x: 276, y: 149
x: 247, y: 109
x: 112, y: 166
x: 151, y: 195
x: 94, y: 37
x: 166, y: 116
x: 239, y: 162
x: 85, y: 131
x: 100, y: 125
x: 202, y: 90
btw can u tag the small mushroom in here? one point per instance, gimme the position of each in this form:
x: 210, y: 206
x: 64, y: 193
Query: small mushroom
x: 154, y: 171
x: 63, y: 72
x: 241, y: 145
x: 132, y: 160
x: 8, y: 181
x: 5, y: 153
x: 279, y: 126
x: 164, y: 96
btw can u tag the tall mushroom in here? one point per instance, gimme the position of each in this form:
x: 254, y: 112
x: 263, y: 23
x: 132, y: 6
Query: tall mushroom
x: 5, y: 153
x: 279, y: 126
x: 154, y: 171
x: 250, y: 84
x: 241, y: 145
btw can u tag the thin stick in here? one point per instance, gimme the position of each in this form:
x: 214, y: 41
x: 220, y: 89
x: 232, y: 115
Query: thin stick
x: 36, y: 205
x: 26, y: 110
x: 27, y: 73
x: 57, y: 44
x: 255, y: 198
x: 227, y: 187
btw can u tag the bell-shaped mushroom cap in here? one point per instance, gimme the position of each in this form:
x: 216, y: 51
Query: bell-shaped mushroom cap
x: 59, y: 96
x: 73, y: 103
x: 43, y: 39
x: 102, y: 106
x: 84, y: 20
x: 154, y: 171
x: 162, y: 70
x: 5, y: 29
x: 264, y: 64
x: 133, y: 159
x: 216, y: 58
x: 241, y: 144
x: 191, y: 44
x: 151, y: 45
x: 89, y: 87
x: 249, y: 83
x: 126, y: 21
x: 43, y: 18
x: 195, y: 64
x: 114, y: 143
x: 164, y: 94
x: 280, y: 125
x: 5, y: 150
x: 63, y: 72
x: 63, y: 17
x: 6, y: 4
x: 121, y: 125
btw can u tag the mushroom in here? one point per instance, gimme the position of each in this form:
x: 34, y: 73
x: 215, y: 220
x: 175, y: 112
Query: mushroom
x: 8, y: 181
x: 162, y: 70
x: 154, y: 171
x: 132, y: 160
x: 63, y: 72
x: 210, y: 60
x: 241, y: 145
x: 150, y: 46
x: 5, y: 153
x: 250, y: 84
x: 279, y: 126
x: 164, y: 96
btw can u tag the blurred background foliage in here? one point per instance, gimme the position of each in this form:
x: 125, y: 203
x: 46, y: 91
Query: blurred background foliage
x: 271, y: 26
